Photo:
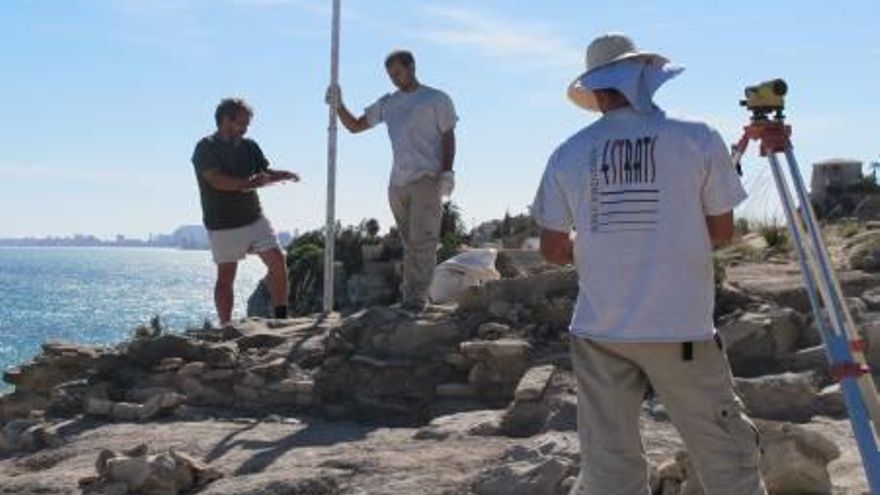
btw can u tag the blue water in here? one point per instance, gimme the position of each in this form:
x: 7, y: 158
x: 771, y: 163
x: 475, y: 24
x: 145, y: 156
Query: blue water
x: 99, y: 295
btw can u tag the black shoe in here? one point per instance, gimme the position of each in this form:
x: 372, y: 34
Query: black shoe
x: 414, y: 306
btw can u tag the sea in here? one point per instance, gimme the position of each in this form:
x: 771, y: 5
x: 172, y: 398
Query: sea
x: 100, y: 295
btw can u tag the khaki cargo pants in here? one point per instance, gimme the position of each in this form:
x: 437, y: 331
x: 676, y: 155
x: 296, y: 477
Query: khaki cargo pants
x: 418, y: 210
x: 698, y: 394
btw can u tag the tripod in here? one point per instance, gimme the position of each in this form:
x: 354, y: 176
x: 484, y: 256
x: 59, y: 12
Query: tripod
x: 843, y: 345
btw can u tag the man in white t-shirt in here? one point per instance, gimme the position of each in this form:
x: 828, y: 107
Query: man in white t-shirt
x: 421, y: 124
x: 648, y: 197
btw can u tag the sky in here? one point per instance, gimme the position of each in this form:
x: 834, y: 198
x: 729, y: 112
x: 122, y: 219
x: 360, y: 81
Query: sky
x: 104, y: 100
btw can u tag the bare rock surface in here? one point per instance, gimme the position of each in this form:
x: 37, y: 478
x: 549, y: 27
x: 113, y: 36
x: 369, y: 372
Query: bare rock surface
x: 283, y: 455
x: 470, y: 399
x: 757, y: 337
x: 783, y: 283
x: 789, y: 396
x: 299, y: 455
x: 267, y: 458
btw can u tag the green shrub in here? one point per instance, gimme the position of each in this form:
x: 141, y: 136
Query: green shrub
x: 305, y: 264
x: 155, y: 328
x: 305, y: 255
x: 349, y: 243
x: 849, y: 227
x: 452, y: 232
x: 305, y: 261
x: 742, y: 226
x: 371, y: 229
x: 776, y: 235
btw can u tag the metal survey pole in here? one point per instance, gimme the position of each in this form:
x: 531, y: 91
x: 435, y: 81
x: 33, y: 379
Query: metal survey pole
x: 330, y: 229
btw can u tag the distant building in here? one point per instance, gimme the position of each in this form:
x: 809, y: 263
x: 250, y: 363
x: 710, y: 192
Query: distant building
x: 190, y: 237
x: 834, y: 176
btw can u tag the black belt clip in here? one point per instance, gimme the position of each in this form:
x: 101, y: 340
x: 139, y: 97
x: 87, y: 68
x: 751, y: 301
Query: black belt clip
x: 687, y: 351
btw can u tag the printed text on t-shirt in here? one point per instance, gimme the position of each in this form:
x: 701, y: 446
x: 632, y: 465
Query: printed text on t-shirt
x: 629, y: 161
x: 626, y: 200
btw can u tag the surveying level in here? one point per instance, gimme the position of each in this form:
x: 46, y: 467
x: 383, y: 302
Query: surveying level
x: 843, y: 345
x: 766, y: 97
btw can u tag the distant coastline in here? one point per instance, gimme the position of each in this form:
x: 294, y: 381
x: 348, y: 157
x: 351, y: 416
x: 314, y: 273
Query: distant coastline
x: 187, y: 237
x: 87, y: 242
x: 12, y: 245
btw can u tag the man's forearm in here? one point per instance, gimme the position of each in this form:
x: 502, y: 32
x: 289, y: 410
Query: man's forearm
x: 448, y: 151
x: 562, y: 254
x: 224, y: 182
x: 352, y: 123
x: 557, y: 247
x: 281, y: 175
x: 721, y: 229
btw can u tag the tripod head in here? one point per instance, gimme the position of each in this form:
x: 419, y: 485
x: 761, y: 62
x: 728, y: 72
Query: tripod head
x: 764, y: 98
x: 773, y: 134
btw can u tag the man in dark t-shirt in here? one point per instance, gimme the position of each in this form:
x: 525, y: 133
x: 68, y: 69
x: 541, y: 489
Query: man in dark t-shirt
x: 229, y: 169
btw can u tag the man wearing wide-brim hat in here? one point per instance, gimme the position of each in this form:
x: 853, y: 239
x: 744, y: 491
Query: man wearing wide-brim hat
x: 649, y: 197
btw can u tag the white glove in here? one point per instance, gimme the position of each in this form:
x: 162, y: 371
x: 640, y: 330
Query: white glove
x: 333, y: 91
x: 447, y: 183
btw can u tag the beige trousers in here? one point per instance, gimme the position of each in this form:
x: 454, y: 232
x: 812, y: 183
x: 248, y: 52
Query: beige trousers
x: 699, y: 396
x: 418, y: 210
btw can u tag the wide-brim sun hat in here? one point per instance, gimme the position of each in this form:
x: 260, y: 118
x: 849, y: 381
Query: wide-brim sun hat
x: 602, y: 52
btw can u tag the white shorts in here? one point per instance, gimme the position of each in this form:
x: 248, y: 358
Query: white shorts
x: 232, y: 245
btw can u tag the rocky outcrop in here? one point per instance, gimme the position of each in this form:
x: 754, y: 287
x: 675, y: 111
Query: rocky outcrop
x: 527, y: 415
x: 546, y: 297
x: 545, y: 465
x: 58, y: 362
x: 376, y: 282
x: 380, y: 364
x: 517, y: 263
x: 783, y: 283
x: 477, y: 398
x: 794, y: 461
x: 870, y: 331
x: 864, y: 251
x: 159, y: 404
x: 757, y: 339
x: 498, y: 366
x: 28, y: 435
x: 472, y: 423
x: 137, y: 472
x: 787, y: 397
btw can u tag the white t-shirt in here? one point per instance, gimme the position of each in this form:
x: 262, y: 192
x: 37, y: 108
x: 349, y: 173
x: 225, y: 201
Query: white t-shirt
x: 416, y: 121
x: 637, y: 188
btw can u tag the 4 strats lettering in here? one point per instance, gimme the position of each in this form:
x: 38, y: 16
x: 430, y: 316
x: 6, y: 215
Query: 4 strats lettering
x: 629, y: 161
x: 628, y: 202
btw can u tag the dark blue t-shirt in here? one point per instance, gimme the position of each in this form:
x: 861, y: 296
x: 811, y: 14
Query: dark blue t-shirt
x: 242, y: 158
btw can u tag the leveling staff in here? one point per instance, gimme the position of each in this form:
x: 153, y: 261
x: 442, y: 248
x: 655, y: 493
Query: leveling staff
x: 649, y: 196
x: 229, y: 169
